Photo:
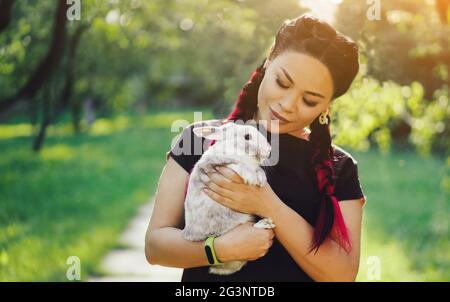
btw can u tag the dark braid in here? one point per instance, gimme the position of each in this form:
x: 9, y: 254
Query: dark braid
x: 247, y: 102
x: 329, y: 219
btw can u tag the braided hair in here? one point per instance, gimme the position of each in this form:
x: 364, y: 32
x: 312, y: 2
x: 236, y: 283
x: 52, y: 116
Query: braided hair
x: 309, y: 35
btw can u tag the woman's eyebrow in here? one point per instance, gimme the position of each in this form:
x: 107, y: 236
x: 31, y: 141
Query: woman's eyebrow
x: 292, y: 81
x: 287, y: 75
x: 315, y: 93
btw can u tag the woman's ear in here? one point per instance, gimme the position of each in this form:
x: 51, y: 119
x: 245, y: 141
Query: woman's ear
x: 209, y: 132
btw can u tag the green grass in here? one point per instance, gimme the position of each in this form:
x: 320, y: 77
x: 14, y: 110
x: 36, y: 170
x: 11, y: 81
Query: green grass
x: 406, y: 219
x: 77, y: 195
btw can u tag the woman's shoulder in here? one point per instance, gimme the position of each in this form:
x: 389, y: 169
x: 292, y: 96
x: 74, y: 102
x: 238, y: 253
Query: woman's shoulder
x: 342, y: 156
x: 348, y: 184
x: 344, y: 163
x: 187, y: 148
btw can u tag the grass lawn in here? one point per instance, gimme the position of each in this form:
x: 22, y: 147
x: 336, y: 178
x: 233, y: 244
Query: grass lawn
x: 406, y: 218
x: 75, y: 197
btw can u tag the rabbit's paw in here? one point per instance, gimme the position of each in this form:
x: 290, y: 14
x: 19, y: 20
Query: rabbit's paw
x: 248, y: 175
x: 261, y: 177
x: 265, y: 223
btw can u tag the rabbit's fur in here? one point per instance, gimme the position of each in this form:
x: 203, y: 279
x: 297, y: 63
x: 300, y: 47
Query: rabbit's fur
x: 203, y: 215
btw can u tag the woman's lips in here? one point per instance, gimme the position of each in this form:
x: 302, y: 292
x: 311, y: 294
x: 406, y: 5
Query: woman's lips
x: 275, y: 115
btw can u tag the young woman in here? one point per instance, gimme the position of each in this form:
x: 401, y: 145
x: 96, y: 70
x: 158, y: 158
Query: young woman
x: 313, y: 193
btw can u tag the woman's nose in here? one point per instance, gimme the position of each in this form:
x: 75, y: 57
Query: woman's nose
x: 288, y: 103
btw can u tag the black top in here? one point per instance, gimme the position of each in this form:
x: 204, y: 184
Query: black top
x: 293, y: 184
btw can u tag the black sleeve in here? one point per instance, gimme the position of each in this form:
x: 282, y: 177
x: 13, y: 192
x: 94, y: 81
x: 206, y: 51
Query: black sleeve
x: 187, y: 149
x: 347, y: 185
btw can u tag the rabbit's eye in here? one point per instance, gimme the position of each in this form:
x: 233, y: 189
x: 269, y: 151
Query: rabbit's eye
x: 247, y: 137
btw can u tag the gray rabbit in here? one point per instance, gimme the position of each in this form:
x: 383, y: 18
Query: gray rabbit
x: 241, y: 148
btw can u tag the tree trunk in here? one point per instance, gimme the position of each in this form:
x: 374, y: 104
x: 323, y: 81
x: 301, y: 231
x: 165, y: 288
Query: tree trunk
x: 64, y: 99
x: 47, y: 65
x: 5, y: 13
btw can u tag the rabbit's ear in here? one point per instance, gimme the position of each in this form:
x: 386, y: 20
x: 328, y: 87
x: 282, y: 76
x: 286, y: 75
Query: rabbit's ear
x: 209, y: 132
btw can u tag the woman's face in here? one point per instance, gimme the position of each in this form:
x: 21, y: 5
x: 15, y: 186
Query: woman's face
x: 296, y: 86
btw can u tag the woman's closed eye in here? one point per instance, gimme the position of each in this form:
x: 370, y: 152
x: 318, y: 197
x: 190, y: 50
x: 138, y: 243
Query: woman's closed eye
x: 305, y: 100
x: 281, y: 84
x: 308, y: 102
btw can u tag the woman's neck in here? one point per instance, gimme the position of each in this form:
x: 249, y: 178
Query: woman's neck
x: 302, y: 133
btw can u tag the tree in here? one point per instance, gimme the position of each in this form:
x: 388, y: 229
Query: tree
x: 5, y: 13
x: 63, y: 100
x: 443, y: 8
x: 48, y: 64
x: 408, y: 43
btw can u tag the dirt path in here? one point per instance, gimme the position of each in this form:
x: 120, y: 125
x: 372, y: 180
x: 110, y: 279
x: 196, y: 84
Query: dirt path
x: 129, y: 263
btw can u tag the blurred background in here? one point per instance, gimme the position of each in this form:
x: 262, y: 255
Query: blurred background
x: 88, y: 95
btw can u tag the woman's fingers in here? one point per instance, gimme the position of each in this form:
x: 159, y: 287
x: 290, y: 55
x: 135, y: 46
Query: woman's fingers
x: 219, y: 190
x: 220, y: 180
x: 217, y: 197
x: 229, y: 174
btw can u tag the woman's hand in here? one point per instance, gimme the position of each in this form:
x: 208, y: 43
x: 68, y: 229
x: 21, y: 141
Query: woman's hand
x: 244, y: 242
x: 227, y: 188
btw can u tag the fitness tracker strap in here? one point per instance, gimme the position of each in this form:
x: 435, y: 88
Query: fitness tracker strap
x: 210, y: 252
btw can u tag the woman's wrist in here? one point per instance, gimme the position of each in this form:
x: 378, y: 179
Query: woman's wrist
x: 269, y: 206
x: 221, y: 249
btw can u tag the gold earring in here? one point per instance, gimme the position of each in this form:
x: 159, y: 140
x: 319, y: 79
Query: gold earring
x: 323, y: 120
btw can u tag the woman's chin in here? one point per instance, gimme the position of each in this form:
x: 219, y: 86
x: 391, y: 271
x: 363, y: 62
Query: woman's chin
x: 274, y: 125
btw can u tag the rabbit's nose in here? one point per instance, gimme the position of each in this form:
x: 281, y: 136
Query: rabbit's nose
x: 265, y: 153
